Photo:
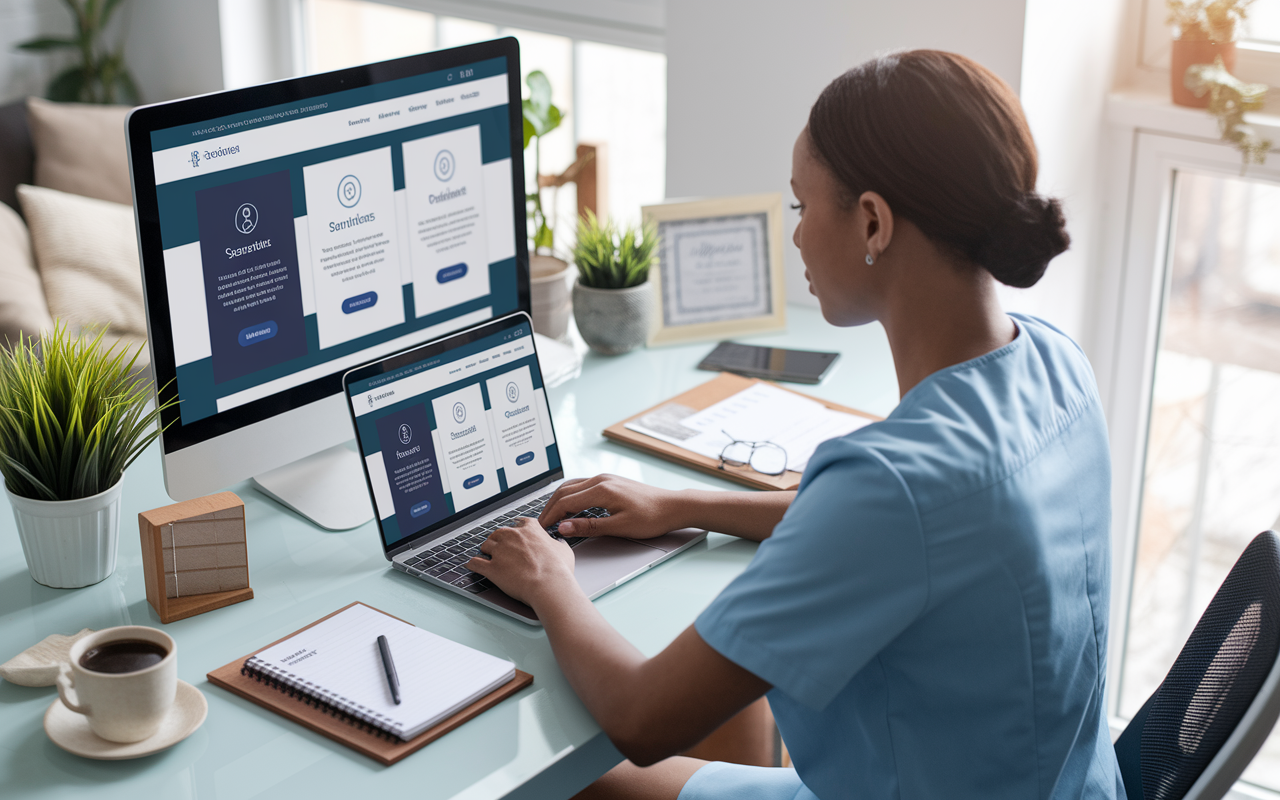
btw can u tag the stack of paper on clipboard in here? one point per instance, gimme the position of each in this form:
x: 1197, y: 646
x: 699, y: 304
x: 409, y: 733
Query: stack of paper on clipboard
x: 759, y: 413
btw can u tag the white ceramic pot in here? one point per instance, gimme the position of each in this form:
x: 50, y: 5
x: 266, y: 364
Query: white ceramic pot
x: 69, y: 543
x: 613, y: 321
x: 549, y: 295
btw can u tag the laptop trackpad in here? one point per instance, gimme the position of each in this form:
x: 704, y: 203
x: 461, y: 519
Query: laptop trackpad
x: 600, y: 563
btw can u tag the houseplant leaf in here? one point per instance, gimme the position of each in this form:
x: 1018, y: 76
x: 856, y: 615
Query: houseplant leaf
x: 72, y: 415
x: 46, y: 43
x: 68, y: 85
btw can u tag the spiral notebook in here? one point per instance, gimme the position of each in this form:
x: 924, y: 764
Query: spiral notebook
x: 336, y: 664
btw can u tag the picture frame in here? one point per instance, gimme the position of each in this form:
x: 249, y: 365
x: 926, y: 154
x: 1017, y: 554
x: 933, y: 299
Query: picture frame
x: 719, y: 270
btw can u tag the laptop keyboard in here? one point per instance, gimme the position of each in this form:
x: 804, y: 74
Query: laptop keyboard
x: 444, y: 562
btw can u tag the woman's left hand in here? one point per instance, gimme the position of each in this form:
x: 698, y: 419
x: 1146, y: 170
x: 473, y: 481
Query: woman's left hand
x: 525, y: 561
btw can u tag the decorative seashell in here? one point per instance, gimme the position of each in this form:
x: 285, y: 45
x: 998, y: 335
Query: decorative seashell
x: 38, y: 665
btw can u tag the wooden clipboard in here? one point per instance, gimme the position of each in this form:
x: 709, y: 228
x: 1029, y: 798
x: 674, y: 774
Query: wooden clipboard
x: 383, y: 750
x: 713, y: 391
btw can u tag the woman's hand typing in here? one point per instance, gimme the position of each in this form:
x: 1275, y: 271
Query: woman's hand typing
x: 636, y: 511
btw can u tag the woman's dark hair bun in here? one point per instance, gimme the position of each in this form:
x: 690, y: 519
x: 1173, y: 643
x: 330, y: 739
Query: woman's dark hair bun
x: 944, y: 141
x: 1020, y: 246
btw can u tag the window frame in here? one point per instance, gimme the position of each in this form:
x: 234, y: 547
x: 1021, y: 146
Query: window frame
x: 1131, y: 322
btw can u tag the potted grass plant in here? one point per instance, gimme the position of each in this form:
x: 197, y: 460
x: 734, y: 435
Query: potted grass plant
x: 73, y: 417
x: 612, y: 298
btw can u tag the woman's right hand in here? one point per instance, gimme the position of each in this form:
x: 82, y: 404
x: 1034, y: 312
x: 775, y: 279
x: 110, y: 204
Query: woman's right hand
x: 636, y: 511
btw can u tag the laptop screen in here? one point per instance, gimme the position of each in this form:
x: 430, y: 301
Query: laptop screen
x: 452, y: 426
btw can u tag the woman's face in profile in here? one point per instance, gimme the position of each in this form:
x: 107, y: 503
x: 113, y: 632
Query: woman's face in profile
x: 828, y: 237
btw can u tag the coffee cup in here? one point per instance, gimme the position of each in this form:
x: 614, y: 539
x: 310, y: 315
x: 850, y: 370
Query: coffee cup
x: 123, y: 680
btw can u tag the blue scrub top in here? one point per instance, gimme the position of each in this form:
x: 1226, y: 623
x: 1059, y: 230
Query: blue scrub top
x: 932, y: 610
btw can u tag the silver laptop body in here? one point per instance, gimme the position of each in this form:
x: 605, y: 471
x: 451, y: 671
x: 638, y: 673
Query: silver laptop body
x: 443, y: 370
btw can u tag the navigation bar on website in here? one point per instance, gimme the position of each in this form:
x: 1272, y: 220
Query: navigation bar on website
x: 420, y: 383
x: 287, y: 138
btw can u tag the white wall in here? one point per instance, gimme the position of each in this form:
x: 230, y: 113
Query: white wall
x: 257, y: 42
x: 173, y: 47
x: 1068, y: 68
x: 741, y: 79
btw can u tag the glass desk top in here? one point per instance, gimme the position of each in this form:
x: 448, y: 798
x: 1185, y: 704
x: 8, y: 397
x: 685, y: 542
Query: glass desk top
x: 539, y: 743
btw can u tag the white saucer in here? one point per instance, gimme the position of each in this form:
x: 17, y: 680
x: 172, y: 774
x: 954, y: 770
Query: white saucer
x: 70, y: 730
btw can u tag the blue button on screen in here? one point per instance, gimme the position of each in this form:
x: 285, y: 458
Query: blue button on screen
x: 524, y: 458
x: 473, y: 481
x: 420, y: 508
x: 451, y: 273
x: 257, y: 333
x: 360, y: 302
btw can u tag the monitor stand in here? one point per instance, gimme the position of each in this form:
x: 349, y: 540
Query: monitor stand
x: 327, y: 488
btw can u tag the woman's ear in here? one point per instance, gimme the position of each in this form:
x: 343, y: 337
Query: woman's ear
x: 876, y: 223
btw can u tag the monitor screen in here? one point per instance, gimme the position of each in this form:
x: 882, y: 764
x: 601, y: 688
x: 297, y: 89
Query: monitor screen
x: 293, y: 231
x: 450, y: 427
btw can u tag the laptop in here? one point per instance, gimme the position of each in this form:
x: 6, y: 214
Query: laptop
x: 456, y: 440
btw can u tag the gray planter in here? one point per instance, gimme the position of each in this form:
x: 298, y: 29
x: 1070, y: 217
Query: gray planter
x: 613, y: 321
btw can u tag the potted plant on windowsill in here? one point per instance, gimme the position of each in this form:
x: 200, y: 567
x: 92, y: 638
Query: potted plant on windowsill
x: 612, y: 298
x: 1203, y: 30
x: 72, y: 418
x: 548, y: 273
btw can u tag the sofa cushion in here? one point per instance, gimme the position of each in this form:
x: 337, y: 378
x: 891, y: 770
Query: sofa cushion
x: 87, y: 255
x: 22, y: 305
x: 80, y: 149
x: 17, y: 159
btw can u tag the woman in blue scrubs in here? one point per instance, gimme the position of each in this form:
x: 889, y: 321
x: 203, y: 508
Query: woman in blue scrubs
x: 928, y: 612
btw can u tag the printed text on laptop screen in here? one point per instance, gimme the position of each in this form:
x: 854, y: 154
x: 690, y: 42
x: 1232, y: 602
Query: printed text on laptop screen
x: 451, y: 431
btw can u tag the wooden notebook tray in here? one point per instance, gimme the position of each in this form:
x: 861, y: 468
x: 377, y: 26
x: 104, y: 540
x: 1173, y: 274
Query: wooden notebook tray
x: 386, y: 751
x: 708, y: 394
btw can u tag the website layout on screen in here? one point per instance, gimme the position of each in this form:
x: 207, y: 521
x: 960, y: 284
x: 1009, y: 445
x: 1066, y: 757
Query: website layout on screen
x: 448, y: 432
x: 309, y: 238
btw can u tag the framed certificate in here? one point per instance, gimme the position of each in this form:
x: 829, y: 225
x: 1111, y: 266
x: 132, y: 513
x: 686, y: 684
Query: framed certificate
x: 719, y: 270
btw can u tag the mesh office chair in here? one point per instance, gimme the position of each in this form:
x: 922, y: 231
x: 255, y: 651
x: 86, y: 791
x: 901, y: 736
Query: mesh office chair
x: 1196, y: 734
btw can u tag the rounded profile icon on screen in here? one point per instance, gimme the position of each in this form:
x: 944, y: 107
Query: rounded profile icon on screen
x: 513, y: 392
x: 405, y: 433
x: 459, y: 413
x: 246, y: 218
x: 444, y: 165
x: 349, y: 191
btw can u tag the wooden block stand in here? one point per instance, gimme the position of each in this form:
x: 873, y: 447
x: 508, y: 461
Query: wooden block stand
x: 226, y: 509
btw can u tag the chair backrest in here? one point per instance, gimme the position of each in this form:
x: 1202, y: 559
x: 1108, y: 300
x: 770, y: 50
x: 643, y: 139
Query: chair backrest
x: 1190, y: 728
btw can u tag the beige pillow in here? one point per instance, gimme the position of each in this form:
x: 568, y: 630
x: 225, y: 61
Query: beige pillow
x: 22, y: 305
x: 87, y: 254
x: 80, y: 149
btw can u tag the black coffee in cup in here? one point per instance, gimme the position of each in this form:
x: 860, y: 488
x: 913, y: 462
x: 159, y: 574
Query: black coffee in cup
x: 126, y: 655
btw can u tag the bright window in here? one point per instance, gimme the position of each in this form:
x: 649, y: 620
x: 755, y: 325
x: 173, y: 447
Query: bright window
x: 1264, y: 22
x: 1197, y: 379
x: 612, y: 95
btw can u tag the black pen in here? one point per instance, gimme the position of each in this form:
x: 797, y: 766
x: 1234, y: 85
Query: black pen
x: 387, y: 664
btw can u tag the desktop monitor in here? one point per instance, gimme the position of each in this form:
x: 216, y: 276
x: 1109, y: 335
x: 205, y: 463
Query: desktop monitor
x: 292, y: 231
